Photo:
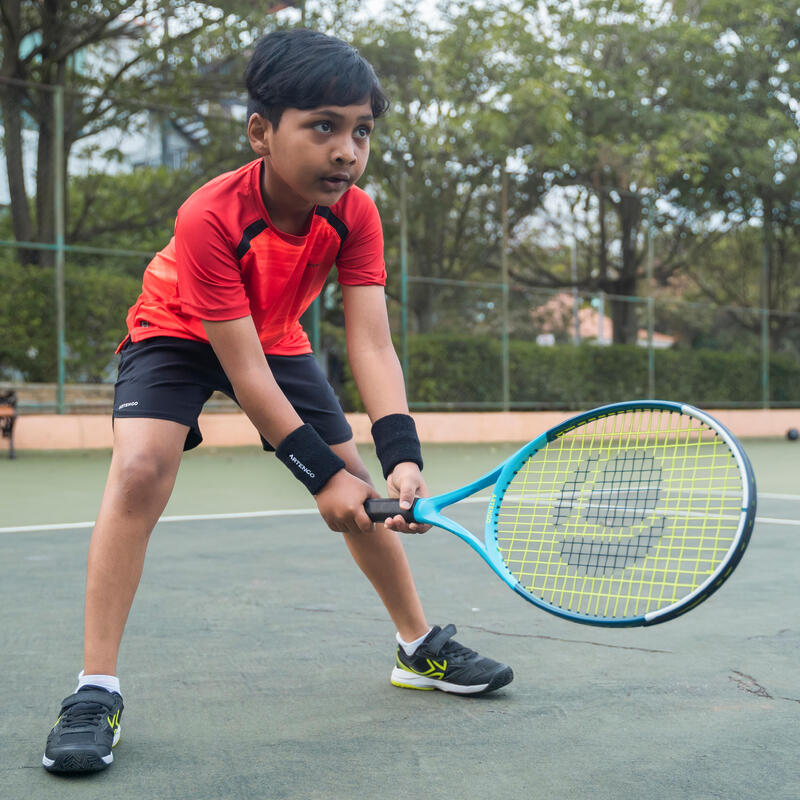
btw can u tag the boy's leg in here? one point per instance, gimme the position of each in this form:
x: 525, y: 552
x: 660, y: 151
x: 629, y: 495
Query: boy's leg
x: 426, y: 657
x: 381, y: 557
x: 144, y: 464
x: 438, y: 662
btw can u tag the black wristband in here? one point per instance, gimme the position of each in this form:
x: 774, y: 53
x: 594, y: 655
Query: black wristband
x: 309, y: 459
x: 396, y: 440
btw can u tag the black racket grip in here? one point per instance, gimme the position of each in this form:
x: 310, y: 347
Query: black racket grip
x: 378, y: 510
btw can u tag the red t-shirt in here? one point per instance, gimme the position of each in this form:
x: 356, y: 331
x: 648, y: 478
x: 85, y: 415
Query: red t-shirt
x: 226, y: 260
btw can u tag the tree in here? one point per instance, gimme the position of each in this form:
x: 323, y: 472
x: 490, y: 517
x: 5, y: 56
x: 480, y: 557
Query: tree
x: 107, y: 55
x: 627, y: 120
x: 447, y: 131
x: 120, y: 64
x: 750, y: 175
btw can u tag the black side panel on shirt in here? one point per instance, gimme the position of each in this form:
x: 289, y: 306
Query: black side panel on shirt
x: 250, y: 233
x: 334, y: 222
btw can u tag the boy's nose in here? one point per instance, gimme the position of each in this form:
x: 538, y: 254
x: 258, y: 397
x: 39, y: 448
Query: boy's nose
x: 345, y: 153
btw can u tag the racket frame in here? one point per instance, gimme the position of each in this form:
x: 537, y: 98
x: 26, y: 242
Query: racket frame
x: 427, y: 510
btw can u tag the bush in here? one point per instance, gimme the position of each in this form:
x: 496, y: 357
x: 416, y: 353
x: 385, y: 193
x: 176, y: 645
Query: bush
x: 451, y: 371
x: 96, y: 302
x: 27, y: 321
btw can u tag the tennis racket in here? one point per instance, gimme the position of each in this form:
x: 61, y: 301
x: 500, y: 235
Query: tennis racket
x: 630, y: 514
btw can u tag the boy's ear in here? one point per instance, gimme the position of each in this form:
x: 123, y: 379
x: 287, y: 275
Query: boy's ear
x: 258, y: 132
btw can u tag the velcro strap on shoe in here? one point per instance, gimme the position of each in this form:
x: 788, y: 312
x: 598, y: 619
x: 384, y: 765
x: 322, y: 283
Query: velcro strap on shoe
x: 440, y: 638
x: 99, y: 696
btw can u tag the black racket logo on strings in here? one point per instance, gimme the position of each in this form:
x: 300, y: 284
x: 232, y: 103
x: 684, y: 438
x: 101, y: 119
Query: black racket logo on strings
x: 618, y: 496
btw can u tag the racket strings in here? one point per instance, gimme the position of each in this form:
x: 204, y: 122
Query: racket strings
x: 622, y: 515
x: 623, y: 491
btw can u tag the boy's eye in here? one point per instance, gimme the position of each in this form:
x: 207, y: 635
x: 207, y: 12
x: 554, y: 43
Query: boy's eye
x: 323, y: 126
x: 363, y: 131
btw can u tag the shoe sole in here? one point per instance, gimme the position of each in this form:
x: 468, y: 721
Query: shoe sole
x: 410, y: 680
x: 80, y: 760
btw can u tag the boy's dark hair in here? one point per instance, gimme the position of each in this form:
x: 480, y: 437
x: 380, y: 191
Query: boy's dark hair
x: 305, y: 69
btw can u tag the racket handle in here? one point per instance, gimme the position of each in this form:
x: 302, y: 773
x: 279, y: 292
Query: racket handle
x: 378, y: 510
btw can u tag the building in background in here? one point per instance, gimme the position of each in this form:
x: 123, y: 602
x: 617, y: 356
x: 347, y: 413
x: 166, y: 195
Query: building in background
x: 556, y: 321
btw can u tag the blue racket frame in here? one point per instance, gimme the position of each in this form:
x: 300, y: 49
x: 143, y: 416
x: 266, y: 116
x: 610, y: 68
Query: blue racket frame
x: 427, y: 510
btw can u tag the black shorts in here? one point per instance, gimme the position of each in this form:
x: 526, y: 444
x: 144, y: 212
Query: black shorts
x: 169, y: 378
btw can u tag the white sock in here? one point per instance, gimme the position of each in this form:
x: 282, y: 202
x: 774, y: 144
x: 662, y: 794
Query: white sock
x: 110, y: 682
x: 410, y: 647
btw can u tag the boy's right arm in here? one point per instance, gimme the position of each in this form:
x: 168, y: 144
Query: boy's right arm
x: 236, y: 344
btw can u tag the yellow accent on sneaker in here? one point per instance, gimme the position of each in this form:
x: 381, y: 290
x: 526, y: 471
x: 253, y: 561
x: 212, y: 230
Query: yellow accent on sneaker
x: 113, y: 722
x: 435, y: 669
x: 411, y: 686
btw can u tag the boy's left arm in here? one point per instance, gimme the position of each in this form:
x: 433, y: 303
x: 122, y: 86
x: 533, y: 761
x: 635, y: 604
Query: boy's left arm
x: 379, y: 378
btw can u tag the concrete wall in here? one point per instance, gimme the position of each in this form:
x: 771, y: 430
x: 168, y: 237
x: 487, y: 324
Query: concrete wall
x: 90, y: 431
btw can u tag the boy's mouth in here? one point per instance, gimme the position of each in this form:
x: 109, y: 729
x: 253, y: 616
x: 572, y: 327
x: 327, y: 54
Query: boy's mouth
x: 338, y: 181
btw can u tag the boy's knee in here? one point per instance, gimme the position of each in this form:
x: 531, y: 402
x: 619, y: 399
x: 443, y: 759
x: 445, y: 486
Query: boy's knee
x: 141, y: 473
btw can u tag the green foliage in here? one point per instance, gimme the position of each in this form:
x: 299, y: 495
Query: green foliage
x: 448, y: 130
x: 465, y: 371
x: 134, y: 211
x: 27, y: 320
x: 96, y: 301
x: 602, y: 107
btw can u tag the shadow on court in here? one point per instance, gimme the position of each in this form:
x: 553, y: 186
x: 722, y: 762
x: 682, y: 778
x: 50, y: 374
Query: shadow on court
x: 256, y: 664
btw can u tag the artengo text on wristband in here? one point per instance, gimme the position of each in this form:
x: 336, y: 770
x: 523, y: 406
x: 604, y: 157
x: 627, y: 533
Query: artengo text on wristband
x: 301, y: 465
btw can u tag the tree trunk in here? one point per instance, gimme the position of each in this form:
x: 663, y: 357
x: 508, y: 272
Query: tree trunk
x: 11, y: 98
x: 623, y: 318
x: 21, y: 223
x: 45, y: 212
x: 624, y: 312
x: 47, y: 182
x: 423, y: 308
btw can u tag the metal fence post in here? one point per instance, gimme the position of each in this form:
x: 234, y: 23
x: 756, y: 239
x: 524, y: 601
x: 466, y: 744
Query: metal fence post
x: 404, y: 274
x: 765, y: 277
x: 504, y: 274
x: 576, y: 318
x: 651, y: 355
x: 58, y: 210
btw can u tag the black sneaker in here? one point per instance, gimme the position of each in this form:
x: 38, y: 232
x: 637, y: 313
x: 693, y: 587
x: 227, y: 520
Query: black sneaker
x: 82, y: 738
x: 441, y: 663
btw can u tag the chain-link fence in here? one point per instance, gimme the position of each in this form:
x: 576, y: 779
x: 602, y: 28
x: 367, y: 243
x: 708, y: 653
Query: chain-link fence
x: 79, y: 221
x: 561, y: 351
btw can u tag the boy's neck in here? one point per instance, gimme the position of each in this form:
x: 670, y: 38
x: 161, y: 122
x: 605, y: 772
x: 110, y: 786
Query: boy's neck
x: 288, y: 214
x: 293, y: 224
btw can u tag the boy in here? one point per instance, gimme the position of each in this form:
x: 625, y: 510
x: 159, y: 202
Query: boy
x: 219, y: 309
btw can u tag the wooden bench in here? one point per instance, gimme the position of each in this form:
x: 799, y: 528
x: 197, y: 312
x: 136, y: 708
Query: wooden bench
x: 8, y: 416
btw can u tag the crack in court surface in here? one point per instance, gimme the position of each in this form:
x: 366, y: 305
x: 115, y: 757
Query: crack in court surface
x: 313, y: 610
x: 567, y: 641
x: 747, y: 683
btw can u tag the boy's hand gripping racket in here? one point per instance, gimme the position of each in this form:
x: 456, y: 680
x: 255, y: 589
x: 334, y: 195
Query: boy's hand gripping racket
x: 630, y: 514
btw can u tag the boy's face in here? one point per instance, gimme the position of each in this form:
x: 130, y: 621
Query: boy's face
x: 315, y: 155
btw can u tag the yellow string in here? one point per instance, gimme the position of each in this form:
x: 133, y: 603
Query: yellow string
x: 622, y: 515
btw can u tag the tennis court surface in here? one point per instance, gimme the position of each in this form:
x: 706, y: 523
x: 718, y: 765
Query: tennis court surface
x: 256, y: 660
